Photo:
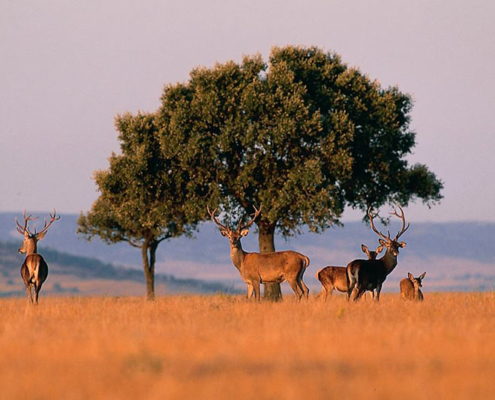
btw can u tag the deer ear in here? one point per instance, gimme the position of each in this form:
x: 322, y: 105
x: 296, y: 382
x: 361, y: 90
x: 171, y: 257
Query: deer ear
x: 422, y: 276
x: 379, y: 249
x: 224, y: 232
x: 40, y: 235
x: 365, y: 249
x: 382, y: 242
x: 402, y: 244
x: 244, y: 232
x: 410, y: 276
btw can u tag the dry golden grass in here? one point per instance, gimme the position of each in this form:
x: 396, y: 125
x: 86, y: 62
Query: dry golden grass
x: 222, y: 347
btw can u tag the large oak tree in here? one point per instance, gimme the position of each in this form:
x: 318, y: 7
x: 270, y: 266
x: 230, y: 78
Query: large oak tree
x: 303, y: 134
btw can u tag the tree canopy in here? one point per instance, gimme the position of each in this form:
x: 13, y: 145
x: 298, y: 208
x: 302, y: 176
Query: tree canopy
x: 303, y: 134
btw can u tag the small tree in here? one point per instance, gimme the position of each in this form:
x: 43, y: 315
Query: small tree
x: 143, y: 198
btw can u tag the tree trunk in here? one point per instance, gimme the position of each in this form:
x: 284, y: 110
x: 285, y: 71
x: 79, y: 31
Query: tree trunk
x: 149, y: 267
x: 266, y: 237
x: 266, y: 242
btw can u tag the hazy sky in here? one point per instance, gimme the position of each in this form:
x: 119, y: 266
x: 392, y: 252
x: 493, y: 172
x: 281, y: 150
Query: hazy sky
x: 67, y: 68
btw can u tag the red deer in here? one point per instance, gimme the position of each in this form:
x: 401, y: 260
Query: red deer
x: 370, y: 274
x: 34, y: 269
x: 335, y: 278
x: 256, y: 268
x: 410, y: 287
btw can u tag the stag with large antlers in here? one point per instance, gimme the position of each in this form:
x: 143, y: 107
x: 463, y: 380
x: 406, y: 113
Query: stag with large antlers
x: 256, y: 268
x: 34, y: 269
x: 370, y: 274
x: 335, y: 278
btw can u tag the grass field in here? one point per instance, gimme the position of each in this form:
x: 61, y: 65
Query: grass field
x: 223, y: 347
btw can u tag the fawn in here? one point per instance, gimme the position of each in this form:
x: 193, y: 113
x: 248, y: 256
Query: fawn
x: 410, y: 287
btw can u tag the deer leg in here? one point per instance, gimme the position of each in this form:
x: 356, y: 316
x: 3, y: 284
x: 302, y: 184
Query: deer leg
x: 28, y: 290
x: 37, y: 289
x: 358, y: 293
x: 369, y: 294
x: 250, y: 291
x: 295, y: 287
x: 30, y: 295
x: 303, y: 287
x: 352, y: 286
x: 256, y: 288
x: 378, y: 290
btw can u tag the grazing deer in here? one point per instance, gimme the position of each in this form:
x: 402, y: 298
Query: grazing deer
x: 34, y: 269
x: 335, y: 278
x: 256, y: 268
x: 370, y: 274
x: 410, y: 287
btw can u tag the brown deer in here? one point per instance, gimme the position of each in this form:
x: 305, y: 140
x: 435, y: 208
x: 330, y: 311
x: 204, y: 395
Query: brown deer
x: 370, y: 274
x: 256, y: 268
x: 410, y: 287
x: 335, y: 278
x: 34, y: 269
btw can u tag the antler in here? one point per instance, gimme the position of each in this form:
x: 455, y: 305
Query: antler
x: 23, y: 229
x: 53, y: 217
x: 402, y: 217
x: 371, y: 216
x: 212, y: 215
x: 240, y: 226
x: 249, y: 223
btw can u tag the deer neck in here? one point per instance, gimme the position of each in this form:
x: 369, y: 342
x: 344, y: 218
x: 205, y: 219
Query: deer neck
x: 237, y: 254
x: 31, y: 247
x: 389, y: 261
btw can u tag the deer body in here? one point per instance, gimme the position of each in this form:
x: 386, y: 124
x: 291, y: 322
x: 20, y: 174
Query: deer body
x: 256, y: 268
x: 34, y: 269
x: 335, y: 278
x: 410, y: 287
x: 370, y: 274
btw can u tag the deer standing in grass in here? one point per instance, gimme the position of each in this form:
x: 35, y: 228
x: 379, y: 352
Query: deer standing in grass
x: 34, y: 269
x: 335, y: 278
x: 410, y: 287
x: 256, y: 268
x: 370, y: 274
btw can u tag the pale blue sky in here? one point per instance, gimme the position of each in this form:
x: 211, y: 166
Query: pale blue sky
x: 69, y: 67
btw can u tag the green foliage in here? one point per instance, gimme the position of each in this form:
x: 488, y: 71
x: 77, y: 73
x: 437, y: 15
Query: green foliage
x: 143, y: 195
x: 303, y: 134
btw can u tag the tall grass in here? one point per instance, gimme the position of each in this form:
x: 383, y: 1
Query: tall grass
x: 223, y: 347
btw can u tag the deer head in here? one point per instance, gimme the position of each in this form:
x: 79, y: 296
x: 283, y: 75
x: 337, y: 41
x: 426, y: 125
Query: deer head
x: 417, y: 282
x: 392, y: 245
x: 29, y: 244
x: 235, y: 235
x: 370, y: 253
